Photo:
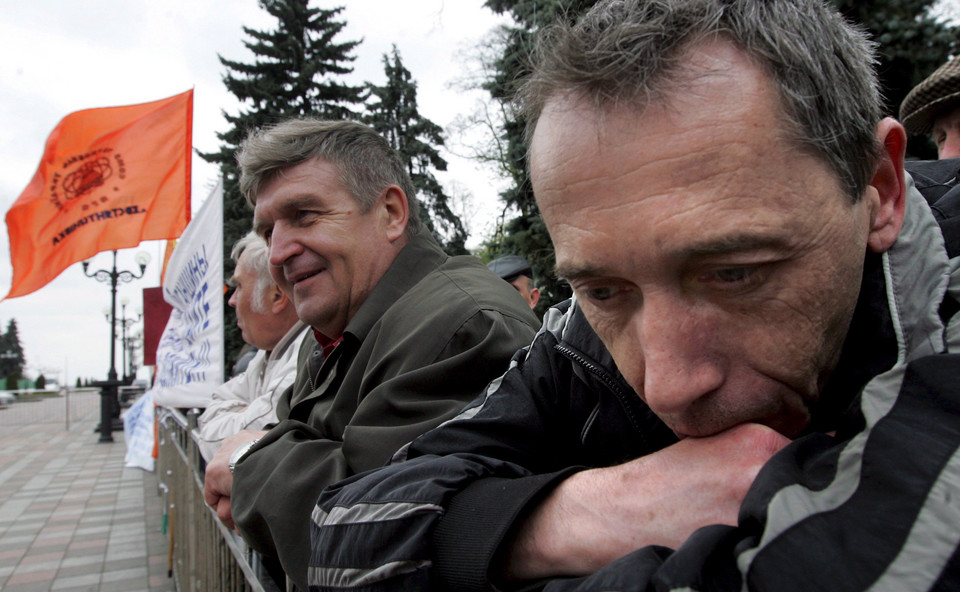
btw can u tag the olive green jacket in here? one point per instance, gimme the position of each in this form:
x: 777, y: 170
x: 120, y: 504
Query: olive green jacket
x: 431, y: 335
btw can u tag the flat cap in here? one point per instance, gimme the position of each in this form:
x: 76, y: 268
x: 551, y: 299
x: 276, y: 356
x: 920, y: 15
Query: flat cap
x: 940, y: 92
x: 510, y: 267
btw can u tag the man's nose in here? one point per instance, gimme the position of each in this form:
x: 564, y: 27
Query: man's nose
x: 282, y: 245
x: 681, y: 358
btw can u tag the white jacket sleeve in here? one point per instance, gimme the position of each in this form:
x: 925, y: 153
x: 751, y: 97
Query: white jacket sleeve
x: 248, y: 401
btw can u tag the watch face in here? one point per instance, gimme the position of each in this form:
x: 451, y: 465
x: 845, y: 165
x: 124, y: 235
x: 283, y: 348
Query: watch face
x: 239, y: 453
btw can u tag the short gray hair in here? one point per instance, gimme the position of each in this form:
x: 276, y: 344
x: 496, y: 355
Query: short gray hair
x: 628, y: 51
x: 257, y: 261
x: 365, y: 161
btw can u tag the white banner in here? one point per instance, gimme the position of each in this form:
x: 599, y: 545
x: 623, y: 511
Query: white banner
x: 190, y: 353
x: 138, y: 433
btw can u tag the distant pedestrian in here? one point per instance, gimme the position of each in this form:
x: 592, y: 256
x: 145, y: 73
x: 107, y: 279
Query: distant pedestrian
x: 516, y: 271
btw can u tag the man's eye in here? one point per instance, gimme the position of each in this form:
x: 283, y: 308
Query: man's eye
x: 304, y: 216
x: 733, y: 275
x: 601, y: 293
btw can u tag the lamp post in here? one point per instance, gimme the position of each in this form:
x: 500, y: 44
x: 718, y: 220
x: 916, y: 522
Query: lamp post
x: 134, y: 344
x: 125, y: 324
x: 108, y: 390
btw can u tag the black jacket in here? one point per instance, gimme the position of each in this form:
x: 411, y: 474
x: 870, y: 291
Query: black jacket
x: 877, y: 505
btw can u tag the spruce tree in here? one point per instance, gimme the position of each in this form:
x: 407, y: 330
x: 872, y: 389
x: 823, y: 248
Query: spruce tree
x: 12, y: 360
x: 525, y: 233
x: 296, y: 72
x: 392, y: 111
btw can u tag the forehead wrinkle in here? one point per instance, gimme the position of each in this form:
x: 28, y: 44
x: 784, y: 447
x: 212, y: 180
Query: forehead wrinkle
x: 733, y: 244
x: 299, y: 200
x: 571, y: 271
x: 715, y: 168
x: 725, y: 245
x: 573, y: 223
x: 288, y: 203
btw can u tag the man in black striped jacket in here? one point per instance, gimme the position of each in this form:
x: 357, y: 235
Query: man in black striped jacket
x: 757, y: 382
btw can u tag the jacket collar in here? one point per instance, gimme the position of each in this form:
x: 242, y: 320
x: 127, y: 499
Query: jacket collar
x: 896, y: 319
x: 286, y: 341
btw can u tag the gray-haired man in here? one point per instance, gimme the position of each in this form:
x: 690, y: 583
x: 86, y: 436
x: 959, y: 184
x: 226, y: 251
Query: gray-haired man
x: 403, y: 335
x: 268, y: 321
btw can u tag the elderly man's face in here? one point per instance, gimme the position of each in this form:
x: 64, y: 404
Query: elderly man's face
x: 324, y: 251
x: 946, y: 134
x: 718, y: 264
x: 256, y: 323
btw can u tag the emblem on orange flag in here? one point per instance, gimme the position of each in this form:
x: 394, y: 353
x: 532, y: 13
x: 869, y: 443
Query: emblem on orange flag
x: 109, y: 179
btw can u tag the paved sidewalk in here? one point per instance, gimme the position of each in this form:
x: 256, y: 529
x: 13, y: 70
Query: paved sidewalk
x: 71, y: 516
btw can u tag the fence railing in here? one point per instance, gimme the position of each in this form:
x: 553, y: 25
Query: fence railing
x: 69, y: 405
x: 205, y: 555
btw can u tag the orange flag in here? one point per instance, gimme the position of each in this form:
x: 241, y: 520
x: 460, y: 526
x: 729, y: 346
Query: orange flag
x: 109, y: 178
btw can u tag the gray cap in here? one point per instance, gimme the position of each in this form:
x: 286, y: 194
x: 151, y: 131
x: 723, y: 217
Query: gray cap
x: 510, y: 267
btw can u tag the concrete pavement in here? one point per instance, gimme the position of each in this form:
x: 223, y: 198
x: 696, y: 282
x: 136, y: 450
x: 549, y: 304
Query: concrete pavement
x: 72, y: 517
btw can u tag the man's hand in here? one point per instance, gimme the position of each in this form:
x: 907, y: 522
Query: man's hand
x: 596, y: 516
x: 218, y: 480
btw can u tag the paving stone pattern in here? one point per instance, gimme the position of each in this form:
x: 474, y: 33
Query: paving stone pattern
x: 72, y: 517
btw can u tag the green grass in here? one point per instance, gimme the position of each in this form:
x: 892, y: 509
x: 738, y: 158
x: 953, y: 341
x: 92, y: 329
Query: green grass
x: 36, y: 395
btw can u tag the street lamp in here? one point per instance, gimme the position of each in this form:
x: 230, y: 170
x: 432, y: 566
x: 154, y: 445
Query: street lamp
x: 134, y: 345
x: 125, y: 323
x: 108, y: 391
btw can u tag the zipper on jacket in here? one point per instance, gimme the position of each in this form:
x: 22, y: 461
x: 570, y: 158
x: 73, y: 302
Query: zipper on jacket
x: 310, y: 372
x: 626, y: 400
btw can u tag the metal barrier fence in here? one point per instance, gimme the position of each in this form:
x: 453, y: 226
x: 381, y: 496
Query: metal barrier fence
x: 205, y: 556
x: 63, y: 408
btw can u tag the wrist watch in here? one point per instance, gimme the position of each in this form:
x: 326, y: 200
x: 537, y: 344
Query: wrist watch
x: 239, y: 453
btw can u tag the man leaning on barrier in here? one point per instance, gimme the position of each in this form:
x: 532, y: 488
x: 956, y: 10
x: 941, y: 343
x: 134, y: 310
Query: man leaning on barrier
x: 268, y: 321
x: 755, y: 386
x: 403, y: 335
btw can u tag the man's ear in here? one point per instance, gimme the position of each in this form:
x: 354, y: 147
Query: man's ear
x: 534, y: 296
x: 396, y: 211
x: 888, y: 188
x: 277, y: 299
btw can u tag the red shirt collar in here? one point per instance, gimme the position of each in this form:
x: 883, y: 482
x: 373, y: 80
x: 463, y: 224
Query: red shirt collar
x: 328, y: 344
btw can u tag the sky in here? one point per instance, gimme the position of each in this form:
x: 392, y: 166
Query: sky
x: 61, y: 56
